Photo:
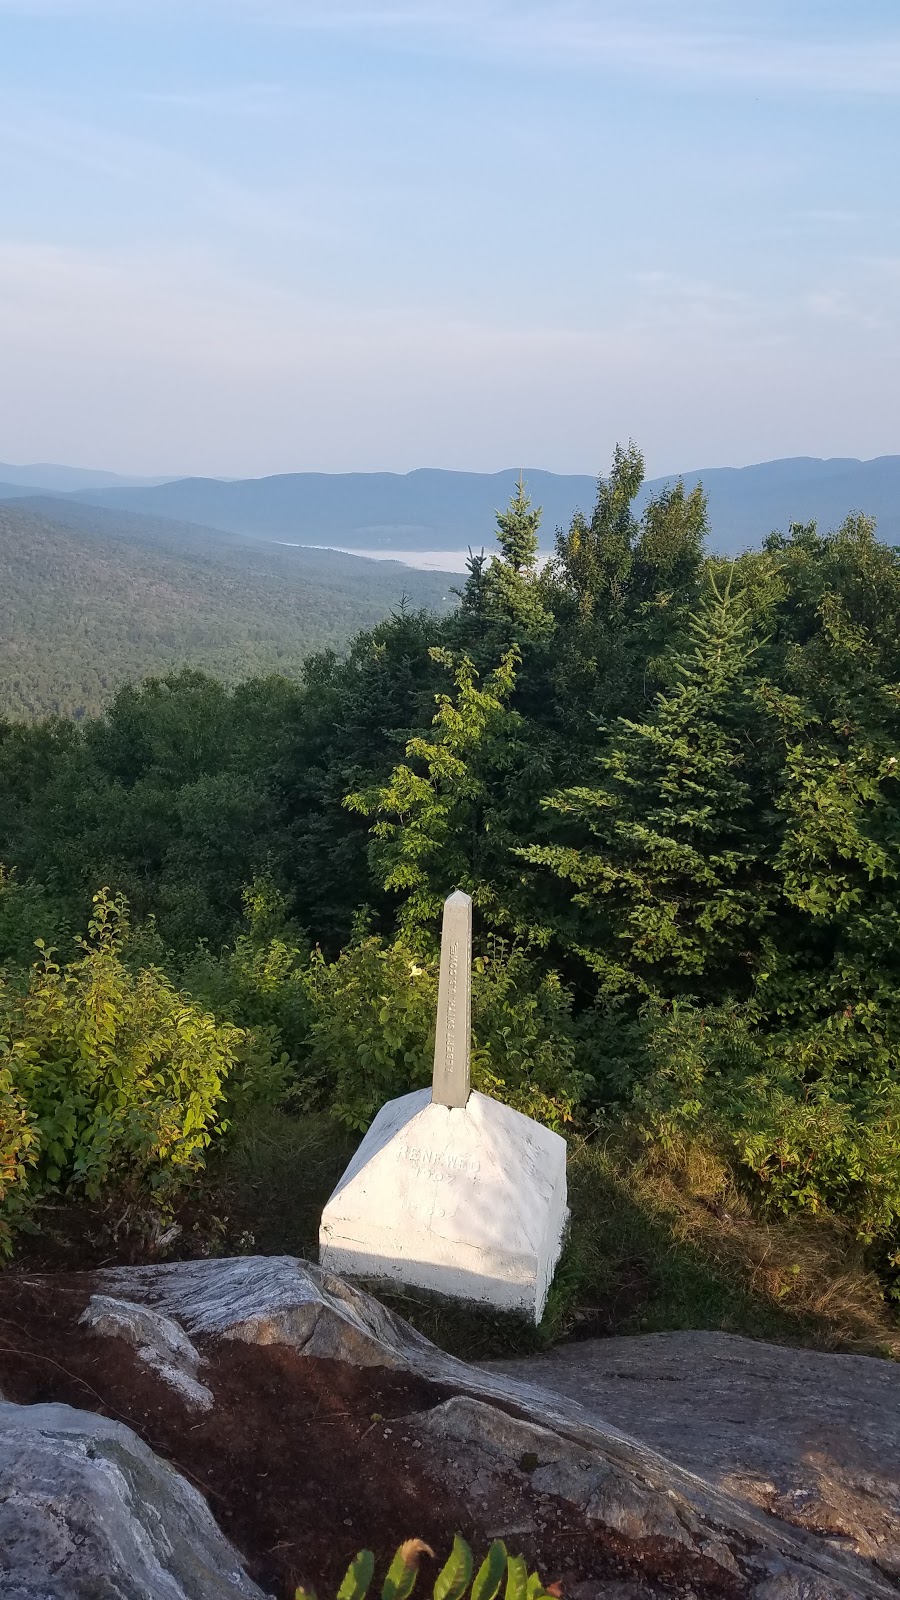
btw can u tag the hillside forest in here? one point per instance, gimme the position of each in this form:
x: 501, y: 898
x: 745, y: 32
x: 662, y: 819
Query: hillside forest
x: 92, y: 599
x: 671, y: 784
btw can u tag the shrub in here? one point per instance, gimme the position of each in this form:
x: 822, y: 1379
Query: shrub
x: 788, y: 1112
x: 372, y: 1036
x: 19, y: 1140
x: 106, y: 1074
x: 260, y: 982
x: 373, y: 1026
x: 27, y: 913
x: 523, y: 1045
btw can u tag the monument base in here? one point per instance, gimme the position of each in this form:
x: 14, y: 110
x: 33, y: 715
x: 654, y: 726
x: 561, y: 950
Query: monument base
x: 467, y: 1201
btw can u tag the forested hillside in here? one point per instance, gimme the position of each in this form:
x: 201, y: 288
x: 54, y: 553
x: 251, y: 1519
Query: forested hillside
x: 90, y: 600
x: 671, y: 784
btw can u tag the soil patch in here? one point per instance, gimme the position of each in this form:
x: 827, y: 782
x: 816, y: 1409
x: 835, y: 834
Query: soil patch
x: 303, y: 1460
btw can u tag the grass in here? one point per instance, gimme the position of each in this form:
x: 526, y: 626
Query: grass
x: 659, y: 1245
x: 653, y: 1246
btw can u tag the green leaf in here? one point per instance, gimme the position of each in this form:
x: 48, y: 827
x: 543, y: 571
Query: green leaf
x: 516, y: 1579
x: 534, y: 1589
x: 404, y: 1570
x: 491, y: 1572
x: 452, y: 1581
x: 358, y: 1576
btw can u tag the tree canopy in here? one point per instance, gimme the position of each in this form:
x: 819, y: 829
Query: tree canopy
x: 670, y: 782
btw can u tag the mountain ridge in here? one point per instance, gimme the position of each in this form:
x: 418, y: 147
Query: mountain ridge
x: 432, y: 508
x: 61, y: 479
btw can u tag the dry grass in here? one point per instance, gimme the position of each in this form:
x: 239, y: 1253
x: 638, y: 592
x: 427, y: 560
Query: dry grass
x: 810, y: 1272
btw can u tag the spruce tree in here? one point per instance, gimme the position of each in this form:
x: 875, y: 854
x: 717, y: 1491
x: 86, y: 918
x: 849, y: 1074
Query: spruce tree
x: 503, y: 596
x: 664, y: 857
x: 517, y: 531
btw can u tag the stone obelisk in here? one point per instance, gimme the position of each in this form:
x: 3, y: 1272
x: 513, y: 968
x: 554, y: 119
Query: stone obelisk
x: 451, y: 1191
x: 450, y: 1084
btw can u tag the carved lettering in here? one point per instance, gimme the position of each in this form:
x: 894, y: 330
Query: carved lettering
x: 438, y: 1163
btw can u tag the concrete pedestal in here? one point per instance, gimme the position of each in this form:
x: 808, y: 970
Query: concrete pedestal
x: 467, y: 1201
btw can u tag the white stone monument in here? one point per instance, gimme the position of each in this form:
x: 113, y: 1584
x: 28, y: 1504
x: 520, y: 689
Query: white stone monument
x: 450, y: 1190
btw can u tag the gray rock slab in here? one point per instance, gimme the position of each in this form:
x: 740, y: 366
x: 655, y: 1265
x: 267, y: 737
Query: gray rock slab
x: 284, y: 1300
x: 811, y: 1437
x: 272, y: 1300
x: 88, y: 1512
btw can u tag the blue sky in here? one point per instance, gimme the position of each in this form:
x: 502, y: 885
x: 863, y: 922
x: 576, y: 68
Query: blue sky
x: 248, y: 236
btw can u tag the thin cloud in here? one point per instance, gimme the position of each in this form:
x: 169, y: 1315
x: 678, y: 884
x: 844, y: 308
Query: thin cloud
x: 179, y: 366
x: 127, y: 159
x: 728, y: 45
x: 230, y: 100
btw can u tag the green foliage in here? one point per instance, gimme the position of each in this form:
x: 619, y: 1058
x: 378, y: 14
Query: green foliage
x: 437, y: 823
x: 503, y: 599
x: 19, y: 1146
x: 372, y: 1037
x: 453, y: 1580
x: 27, y: 913
x: 596, y: 556
x: 523, y: 1039
x: 666, y: 855
x: 92, y: 599
x: 261, y: 983
x: 107, y: 1076
x: 517, y: 531
x: 373, y: 1017
x: 812, y: 1138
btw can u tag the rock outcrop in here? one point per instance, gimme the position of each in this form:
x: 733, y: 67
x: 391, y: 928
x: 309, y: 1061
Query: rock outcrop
x: 231, y: 1366
x: 159, y: 1342
x: 88, y: 1512
x: 664, y: 1512
x: 811, y: 1437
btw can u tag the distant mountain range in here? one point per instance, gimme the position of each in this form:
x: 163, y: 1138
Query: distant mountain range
x: 65, y: 480
x: 430, y: 509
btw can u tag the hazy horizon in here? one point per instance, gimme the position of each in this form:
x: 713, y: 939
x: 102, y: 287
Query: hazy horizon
x: 247, y: 237
x: 159, y: 476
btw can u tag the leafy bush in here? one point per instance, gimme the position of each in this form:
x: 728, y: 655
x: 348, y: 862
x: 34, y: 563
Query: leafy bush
x: 27, y: 913
x: 105, y: 1074
x: 19, y: 1139
x: 373, y: 1026
x: 451, y: 1583
x: 806, y: 1137
x: 260, y: 981
x: 372, y: 1036
x: 523, y: 1044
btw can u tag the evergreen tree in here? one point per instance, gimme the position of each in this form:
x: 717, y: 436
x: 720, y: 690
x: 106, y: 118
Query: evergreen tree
x: 517, y: 531
x: 594, y: 558
x: 502, y: 602
x: 667, y: 854
x: 449, y: 815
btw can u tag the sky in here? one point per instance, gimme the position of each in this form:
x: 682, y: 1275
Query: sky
x: 251, y: 236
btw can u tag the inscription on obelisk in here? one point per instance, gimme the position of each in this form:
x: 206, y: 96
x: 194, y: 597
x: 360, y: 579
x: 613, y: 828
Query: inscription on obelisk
x: 454, y: 1011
